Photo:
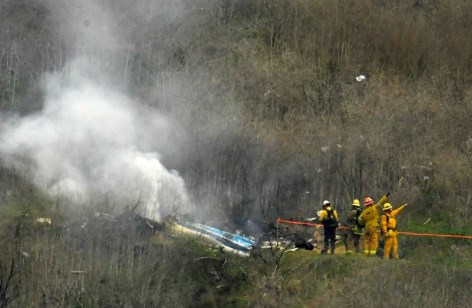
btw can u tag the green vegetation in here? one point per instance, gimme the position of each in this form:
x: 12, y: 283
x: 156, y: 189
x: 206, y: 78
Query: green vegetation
x: 271, y: 122
x: 117, y: 263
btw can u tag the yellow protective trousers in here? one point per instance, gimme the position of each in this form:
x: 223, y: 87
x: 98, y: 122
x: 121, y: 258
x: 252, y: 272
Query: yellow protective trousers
x: 391, y: 243
x: 370, y: 240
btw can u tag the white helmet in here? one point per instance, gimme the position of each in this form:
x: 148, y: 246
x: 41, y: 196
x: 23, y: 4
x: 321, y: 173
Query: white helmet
x: 326, y: 202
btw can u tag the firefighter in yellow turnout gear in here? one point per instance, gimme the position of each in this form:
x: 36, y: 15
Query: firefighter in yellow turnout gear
x: 329, y: 218
x: 388, y: 226
x: 355, y: 231
x: 370, y: 218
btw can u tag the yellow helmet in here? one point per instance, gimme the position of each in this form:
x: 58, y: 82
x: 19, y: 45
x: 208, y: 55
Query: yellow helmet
x: 356, y: 202
x: 387, y: 206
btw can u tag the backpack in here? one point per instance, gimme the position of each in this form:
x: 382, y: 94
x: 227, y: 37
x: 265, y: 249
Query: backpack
x: 356, y: 220
x: 357, y: 227
x: 330, y: 220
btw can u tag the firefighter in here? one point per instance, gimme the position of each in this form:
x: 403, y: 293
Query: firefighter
x: 370, y: 219
x: 388, y: 225
x: 329, y: 219
x: 353, y: 235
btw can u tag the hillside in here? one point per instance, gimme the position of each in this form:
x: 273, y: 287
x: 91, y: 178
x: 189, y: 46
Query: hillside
x: 231, y: 112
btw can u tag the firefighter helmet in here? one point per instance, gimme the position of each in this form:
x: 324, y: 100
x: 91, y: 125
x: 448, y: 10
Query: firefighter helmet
x: 387, y: 206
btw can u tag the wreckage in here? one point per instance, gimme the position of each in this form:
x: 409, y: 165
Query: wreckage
x: 230, y: 242
x: 271, y: 236
x: 246, y: 238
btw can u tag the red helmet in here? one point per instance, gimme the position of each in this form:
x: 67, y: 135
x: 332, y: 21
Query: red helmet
x: 368, y: 201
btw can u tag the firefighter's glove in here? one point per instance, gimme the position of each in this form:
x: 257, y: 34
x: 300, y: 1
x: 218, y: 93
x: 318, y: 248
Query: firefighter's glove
x: 387, y: 194
x: 390, y: 233
x: 406, y: 204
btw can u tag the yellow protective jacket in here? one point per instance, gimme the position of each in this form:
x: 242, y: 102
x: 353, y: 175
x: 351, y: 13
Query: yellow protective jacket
x: 391, y: 222
x: 370, y: 215
x: 324, y: 214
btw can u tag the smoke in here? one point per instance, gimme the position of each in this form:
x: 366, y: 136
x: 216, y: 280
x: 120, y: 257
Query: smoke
x: 90, y: 141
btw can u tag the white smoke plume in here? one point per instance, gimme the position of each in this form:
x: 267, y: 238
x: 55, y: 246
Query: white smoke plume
x: 90, y: 140
x: 87, y: 141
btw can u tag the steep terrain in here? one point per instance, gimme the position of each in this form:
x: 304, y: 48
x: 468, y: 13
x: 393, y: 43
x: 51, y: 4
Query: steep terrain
x: 254, y: 108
